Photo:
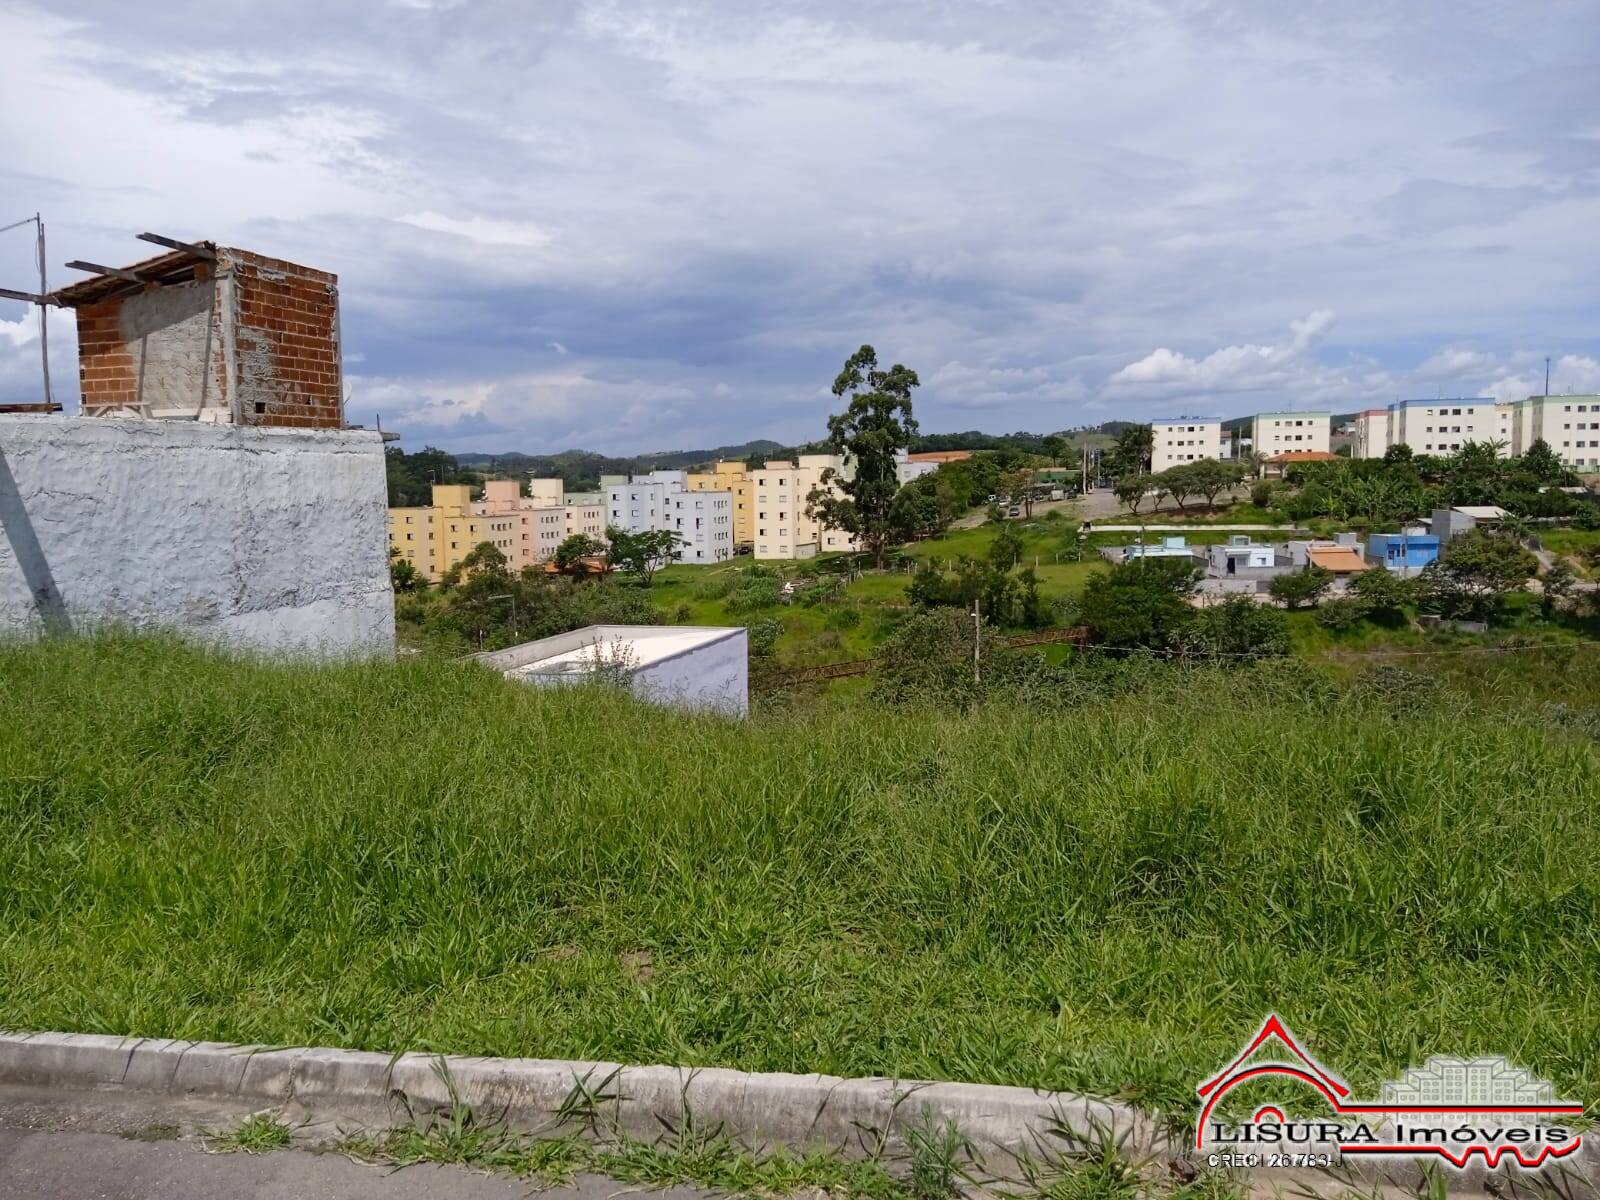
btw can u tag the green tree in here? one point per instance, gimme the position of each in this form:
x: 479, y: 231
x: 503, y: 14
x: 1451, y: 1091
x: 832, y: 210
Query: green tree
x: 643, y: 554
x: 1131, y: 454
x: 1018, y: 487
x: 483, y: 562
x: 1384, y: 595
x: 1541, y: 464
x: 575, y: 551
x: 1236, y: 629
x: 404, y: 577
x: 1301, y: 588
x: 1006, y: 549
x: 1131, y: 489
x: 1139, y: 603
x: 1559, y: 581
x: 1209, y: 477
x: 1177, y: 482
x: 918, y: 510
x: 1473, y: 575
x: 876, y: 423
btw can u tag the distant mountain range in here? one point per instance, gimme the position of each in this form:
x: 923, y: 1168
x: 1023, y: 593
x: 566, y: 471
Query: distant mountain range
x: 591, y: 464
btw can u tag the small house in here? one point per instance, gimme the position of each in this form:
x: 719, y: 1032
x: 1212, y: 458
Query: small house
x: 684, y: 666
x: 1404, y: 553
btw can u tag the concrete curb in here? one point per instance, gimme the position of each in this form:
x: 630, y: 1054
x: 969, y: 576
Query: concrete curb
x: 351, y: 1090
x: 377, y: 1091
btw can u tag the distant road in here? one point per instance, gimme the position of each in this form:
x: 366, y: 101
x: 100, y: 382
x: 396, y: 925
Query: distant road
x: 1194, y: 525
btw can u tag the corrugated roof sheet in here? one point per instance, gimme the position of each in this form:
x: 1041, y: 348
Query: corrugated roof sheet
x: 1338, y: 559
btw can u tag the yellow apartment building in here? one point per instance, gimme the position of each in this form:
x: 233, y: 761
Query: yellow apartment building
x: 526, y: 529
x: 782, y: 489
x: 732, y: 477
x: 436, y: 537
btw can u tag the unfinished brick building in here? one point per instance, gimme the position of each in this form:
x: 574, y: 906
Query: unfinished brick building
x: 210, y: 333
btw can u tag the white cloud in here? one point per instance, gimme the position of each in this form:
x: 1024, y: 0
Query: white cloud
x: 1019, y: 198
x: 482, y: 230
x: 1241, y: 368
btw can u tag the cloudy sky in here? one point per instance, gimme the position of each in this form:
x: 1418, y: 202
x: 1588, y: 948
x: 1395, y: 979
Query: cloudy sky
x: 636, y: 225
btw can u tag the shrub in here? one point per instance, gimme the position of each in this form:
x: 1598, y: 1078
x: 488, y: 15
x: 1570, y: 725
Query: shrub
x: 754, y: 594
x: 843, y: 618
x: 1342, y: 613
x: 1301, y: 588
x: 1236, y: 629
x: 762, y: 637
x: 1139, y: 603
x: 1400, y: 689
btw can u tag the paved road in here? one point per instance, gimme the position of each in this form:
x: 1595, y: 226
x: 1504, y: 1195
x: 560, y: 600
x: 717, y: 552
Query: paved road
x: 70, y: 1165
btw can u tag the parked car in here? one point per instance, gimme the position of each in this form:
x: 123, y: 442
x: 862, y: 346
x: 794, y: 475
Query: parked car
x: 1013, y: 511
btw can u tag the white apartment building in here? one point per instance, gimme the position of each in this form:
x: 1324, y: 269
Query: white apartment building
x: 1569, y: 425
x: 662, y: 500
x: 1178, y: 440
x: 1275, y: 433
x: 782, y: 489
x: 705, y: 522
x: 585, y: 514
x: 1372, y: 434
x: 1444, y: 426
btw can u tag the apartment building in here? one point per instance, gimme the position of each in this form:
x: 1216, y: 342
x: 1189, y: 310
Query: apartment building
x: 1569, y: 425
x: 782, y: 490
x: 1178, y: 440
x: 433, y: 538
x: 732, y: 477
x: 1372, y: 434
x: 705, y: 522
x: 526, y: 529
x: 1440, y: 426
x: 585, y: 513
x: 1275, y: 433
x: 662, y: 500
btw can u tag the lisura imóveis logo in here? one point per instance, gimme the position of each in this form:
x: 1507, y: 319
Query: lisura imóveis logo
x: 1450, y: 1108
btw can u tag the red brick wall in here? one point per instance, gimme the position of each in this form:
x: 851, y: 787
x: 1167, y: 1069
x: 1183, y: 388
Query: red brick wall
x: 284, y: 324
x: 106, y: 372
x: 287, y: 339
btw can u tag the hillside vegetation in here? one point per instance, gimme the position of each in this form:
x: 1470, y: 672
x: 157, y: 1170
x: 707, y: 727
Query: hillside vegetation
x: 1104, y: 896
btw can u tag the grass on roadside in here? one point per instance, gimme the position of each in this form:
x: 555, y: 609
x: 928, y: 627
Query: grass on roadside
x: 1101, y: 897
x: 259, y: 1133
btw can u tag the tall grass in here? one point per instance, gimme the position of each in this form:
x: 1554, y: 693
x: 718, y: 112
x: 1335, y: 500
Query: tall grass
x: 419, y: 855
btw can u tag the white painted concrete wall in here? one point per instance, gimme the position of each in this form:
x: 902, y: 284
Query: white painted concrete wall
x: 264, y: 539
x: 714, y: 678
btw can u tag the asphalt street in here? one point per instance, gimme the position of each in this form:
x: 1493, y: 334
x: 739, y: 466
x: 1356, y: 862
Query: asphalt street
x: 37, y: 1164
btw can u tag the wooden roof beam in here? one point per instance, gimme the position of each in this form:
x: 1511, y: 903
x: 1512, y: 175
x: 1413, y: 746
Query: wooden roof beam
x: 193, y: 248
x: 97, y: 269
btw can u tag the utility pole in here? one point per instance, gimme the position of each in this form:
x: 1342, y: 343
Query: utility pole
x: 44, y: 325
x: 977, y: 642
x: 1547, y: 377
x: 41, y: 299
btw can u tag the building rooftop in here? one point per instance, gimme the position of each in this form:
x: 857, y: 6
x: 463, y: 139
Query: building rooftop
x: 1480, y: 512
x: 1339, y: 559
x: 1302, y: 413
x: 1186, y: 421
x: 1438, y: 400
x: 627, y: 646
x: 1298, y: 456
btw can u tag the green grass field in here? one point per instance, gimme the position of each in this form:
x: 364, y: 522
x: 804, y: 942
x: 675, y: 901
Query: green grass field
x: 1105, y: 897
x: 878, y: 597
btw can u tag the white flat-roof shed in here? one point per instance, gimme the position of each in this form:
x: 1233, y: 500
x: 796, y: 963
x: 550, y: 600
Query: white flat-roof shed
x: 688, y: 666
